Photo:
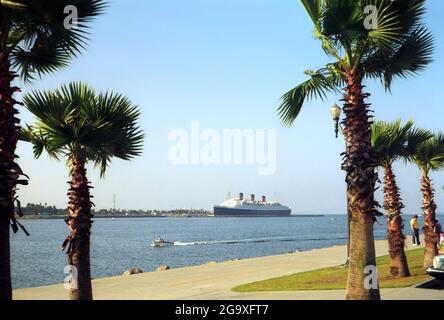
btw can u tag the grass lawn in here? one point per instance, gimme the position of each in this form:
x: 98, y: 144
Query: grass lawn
x: 336, y: 277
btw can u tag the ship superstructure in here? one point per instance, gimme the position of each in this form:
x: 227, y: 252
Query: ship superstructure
x: 241, y: 207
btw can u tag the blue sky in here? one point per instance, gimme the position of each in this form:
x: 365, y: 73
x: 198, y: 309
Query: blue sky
x: 225, y: 63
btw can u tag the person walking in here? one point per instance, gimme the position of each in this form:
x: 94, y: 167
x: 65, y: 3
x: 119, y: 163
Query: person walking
x: 415, y: 230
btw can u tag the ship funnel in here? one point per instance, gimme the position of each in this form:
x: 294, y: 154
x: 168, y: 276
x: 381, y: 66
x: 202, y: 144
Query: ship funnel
x: 264, y: 199
x: 241, y: 196
x: 252, y: 198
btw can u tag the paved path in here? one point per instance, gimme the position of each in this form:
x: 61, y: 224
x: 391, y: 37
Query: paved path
x: 215, y: 280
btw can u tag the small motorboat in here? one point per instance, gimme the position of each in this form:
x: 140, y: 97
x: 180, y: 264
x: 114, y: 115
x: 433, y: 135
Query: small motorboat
x: 161, y: 243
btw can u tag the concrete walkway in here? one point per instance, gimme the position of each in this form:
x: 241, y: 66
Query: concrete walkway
x: 215, y: 280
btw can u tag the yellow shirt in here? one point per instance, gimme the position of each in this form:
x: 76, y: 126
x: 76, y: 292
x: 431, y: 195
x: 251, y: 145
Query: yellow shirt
x: 414, y: 223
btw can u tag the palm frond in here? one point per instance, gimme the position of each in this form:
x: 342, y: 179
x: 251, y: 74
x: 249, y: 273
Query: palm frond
x: 409, y: 57
x: 386, y: 28
x: 39, y: 41
x: 14, y: 4
x: 318, y: 86
x: 390, y: 140
x: 429, y: 155
x: 39, y: 140
x: 416, y: 137
x: 342, y: 19
x: 76, y: 122
x: 37, y: 62
x: 397, y: 44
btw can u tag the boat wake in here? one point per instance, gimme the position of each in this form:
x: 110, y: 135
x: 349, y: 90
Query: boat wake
x: 257, y: 240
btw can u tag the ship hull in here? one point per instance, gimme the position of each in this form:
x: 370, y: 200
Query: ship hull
x: 237, y: 212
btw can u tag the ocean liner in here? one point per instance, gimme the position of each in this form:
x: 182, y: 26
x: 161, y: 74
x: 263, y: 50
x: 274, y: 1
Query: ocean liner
x: 240, y: 207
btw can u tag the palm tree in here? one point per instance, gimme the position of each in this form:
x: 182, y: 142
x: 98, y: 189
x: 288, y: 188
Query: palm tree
x: 429, y: 156
x: 81, y: 126
x: 33, y: 42
x: 396, y: 44
x: 392, y: 141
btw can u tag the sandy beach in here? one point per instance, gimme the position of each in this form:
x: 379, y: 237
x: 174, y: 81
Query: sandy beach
x: 215, y: 280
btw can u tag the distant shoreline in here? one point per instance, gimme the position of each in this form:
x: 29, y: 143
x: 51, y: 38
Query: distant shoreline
x: 53, y: 217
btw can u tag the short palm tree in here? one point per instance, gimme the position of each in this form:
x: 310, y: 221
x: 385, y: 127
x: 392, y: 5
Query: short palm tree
x: 392, y: 141
x: 429, y: 156
x: 395, y: 44
x: 34, y: 41
x: 81, y: 126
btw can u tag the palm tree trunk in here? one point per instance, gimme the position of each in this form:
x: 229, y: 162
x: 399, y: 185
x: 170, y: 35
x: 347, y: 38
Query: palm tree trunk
x: 9, y: 170
x: 361, y: 178
x: 79, y: 222
x: 395, y: 236
x: 431, y: 226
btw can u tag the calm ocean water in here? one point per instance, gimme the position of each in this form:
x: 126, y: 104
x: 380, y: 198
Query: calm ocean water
x: 124, y: 243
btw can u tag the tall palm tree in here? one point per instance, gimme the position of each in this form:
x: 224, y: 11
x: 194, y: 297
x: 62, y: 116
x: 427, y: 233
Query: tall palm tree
x: 392, y: 141
x: 398, y: 45
x: 81, y: 126
x: 429, y: 156
x: 34, y: 41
